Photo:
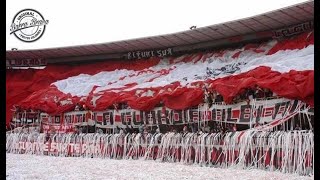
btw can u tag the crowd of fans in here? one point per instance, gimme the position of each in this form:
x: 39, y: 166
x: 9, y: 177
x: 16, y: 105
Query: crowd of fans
x: 248, y: 94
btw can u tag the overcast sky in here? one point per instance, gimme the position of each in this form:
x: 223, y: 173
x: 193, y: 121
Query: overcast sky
x: 77, y: 22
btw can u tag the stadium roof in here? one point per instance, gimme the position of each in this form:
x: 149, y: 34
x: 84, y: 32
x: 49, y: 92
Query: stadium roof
x: 256, y: 27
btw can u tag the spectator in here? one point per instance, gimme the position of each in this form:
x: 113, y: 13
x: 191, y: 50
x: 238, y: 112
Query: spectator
x: 48, y: 136
x: 257, y: 124
x: 141, y: 128
x: 128, y: 130
x: 268, y: 92
x: 249, y: 94
x: 234, y: 128
x: 117, y: 130
x: 76, y: 130
x: 219, y: 98
x: 259, y: 93
x: 214, y: 96
x: 158, y: 129
x: 297, y: 127
x: 237, y: 99
x: 100, y: 131
x: 77, y: 108
x: 185, y: 129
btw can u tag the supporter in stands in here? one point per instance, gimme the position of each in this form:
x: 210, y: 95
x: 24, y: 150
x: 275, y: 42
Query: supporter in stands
x: 47, y: 136
x: 81, y: 130
x: 82, y: 108
x: 117, y: 130
x: 214, y: 96
x: 174, y: 130
x: 77, y: 108
x: 219, y: 98
x: 76, y: 130
x: 116, y: 106
x: 124, y: 105
x: 257, y: 124
x: 207, y: 96
x: 158, y: 129
x: 237, y: 99
x: 99, y: 131
x: 128, y: 130
x: 259, y: 93
x: 268, y: 92
x: 228, y: 128
x: 141, y: 128
x: 234, y: 128
x: 185, y: 130
x: 249, y: 94
x: 297, y: 127
x: 193, y: 128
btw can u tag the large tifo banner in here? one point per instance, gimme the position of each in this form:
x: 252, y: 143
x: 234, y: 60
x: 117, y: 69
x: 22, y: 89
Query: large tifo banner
x: 263, y: 111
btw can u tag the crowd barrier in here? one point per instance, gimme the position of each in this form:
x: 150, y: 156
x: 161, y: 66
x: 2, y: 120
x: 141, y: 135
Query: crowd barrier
x: 288, y: 152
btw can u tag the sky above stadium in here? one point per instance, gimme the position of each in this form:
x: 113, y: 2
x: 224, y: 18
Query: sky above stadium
x: 76, y: 22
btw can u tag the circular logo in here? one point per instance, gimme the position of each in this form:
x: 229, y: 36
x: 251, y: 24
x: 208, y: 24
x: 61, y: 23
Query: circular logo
x: 28, y: 25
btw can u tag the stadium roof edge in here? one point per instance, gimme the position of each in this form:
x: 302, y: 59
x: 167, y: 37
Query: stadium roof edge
x: 260, y: 26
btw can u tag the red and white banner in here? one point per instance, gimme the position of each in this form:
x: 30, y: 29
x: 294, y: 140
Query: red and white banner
x: 286, y: 67
x: 264, y: 111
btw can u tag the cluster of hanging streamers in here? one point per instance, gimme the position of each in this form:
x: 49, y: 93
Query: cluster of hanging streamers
x: 284, y: 151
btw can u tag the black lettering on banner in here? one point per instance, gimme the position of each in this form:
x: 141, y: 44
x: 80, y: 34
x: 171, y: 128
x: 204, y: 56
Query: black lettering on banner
x: 79, y: 118
x: 138, y: 118
x: 177, y: 116
x: 43, y: 62
x: 218, y: 114
x: 31, y: 62
x: 57, y: 119
x: 194, y: 115
x: 206, y: 115
x: 268, y: 111
x: 163, y: 119
x: 127, y: 117
x: 229, y: 115
x: 294, y: 106
x: 32, y: 117
x: 150, y: 117
x: 108, y: 118
x: 214, y: 112
x: 280, y: 108
x: 245, y: 113
x: 148, y: 54
x: 292, y: 30
x: 169, y: 51
x: 138, y: 54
